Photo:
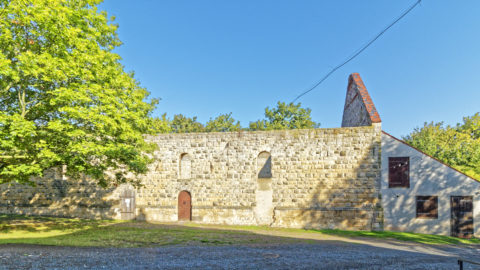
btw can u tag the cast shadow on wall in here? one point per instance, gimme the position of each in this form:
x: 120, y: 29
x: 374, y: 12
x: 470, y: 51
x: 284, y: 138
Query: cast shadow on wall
x: 55, y: 195
x: 346, y: 200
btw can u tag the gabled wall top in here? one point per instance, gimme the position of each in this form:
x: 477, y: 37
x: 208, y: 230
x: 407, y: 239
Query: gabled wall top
x: 359, y: 109
x: 393, y: 148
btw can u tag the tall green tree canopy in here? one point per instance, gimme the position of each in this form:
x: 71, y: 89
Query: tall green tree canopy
x: 223, y: 123
x: 183, y: 124
x: 458, y: 146
x: 160, y: 124
x: 65, y: 98
x: 285, y: 116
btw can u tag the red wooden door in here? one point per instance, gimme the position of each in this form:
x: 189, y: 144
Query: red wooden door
x: 184, y: 206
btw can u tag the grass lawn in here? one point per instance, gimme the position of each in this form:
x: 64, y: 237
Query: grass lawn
x: 403, y: 236
x: 108, y: 233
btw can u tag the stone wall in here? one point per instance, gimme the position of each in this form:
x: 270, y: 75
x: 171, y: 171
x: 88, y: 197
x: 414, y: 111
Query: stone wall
x: 57, y: 195
x: 316, y: 178
x: 319, y: 178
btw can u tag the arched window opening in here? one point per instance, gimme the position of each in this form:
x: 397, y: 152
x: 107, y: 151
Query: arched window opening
x: 264, y: 165
x: 264, y: 191
x: 185, y: 168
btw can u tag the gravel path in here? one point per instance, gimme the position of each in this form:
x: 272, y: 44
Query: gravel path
x: 326, y: 254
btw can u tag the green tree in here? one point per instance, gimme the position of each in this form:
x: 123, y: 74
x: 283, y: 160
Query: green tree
x: 183, y: 124
x: 285, y: 116
x: 458, y: 146
x: 222, y: 123
x: 65, y: 98
x: 471, y: 126
x: 160, y: 124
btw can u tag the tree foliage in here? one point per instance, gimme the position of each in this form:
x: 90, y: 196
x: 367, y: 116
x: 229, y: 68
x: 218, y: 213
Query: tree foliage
x: 223, y: 123
x: 184, y: 124
x: 160, y: 125
x: 65, y: 98
x: 285, y: 116
x: 458, y: 146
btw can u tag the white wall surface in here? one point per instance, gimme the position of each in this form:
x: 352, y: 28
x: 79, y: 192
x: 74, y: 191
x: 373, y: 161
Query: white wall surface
x: 428, y: 177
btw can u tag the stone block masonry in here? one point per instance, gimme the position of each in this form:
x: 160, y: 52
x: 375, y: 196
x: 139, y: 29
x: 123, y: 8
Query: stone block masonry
x: 359, y: 109
x: 315, y: 178
x: 318, y: 178
x: 56, y: 195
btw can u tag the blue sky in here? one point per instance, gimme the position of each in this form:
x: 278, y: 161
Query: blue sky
x: 208, y: 57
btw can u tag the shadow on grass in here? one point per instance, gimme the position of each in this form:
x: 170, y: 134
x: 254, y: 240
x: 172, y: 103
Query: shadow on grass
x: 107, y: 233
x: 16, y: 229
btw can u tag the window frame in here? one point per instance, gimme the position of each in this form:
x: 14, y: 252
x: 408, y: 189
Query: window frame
x: 424, y: 214
x: 404, y: 183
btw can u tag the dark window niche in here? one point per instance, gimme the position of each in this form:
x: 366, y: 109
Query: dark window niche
x: 399, y: 172
x: 427, y: 206
x: 264, y: 164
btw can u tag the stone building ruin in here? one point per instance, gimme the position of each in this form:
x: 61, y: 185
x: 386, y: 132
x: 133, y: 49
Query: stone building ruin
x: 312, y: 178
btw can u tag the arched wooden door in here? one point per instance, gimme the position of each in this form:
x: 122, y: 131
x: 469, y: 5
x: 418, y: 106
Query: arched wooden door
x: 184, y: 206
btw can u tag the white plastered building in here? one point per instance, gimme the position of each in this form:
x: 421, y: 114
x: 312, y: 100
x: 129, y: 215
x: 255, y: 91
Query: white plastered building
x: 423, y: 195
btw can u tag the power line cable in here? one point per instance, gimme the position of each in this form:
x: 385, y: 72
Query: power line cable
x: 359, y: 51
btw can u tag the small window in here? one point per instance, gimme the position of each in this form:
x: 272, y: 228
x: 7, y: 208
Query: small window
x: 427, y: 207
x: 398, y: 172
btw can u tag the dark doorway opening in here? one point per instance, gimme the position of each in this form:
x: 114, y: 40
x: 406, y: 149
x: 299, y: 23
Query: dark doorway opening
x: 462, y: 216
